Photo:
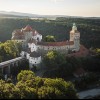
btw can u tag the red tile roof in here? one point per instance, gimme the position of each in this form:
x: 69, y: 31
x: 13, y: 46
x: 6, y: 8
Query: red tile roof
x: 35, y: 33
x: 19, y: 33
x: 83, y: 52
x: 56, y: 43
x: 32, y: 41
x: 28, y: 28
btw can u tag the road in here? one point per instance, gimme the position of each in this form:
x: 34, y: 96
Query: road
x: 89, y: 93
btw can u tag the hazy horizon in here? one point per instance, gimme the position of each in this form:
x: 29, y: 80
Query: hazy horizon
x: 85, y: 8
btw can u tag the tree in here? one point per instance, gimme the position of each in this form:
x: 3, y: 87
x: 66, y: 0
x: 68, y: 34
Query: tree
x: 46, y: 88
x: 9, y: 50
x: 37, y: 88
x: 25, y: 75
x: 49, y: 38
x: 66, y: 65
x: 54, y: 59
x: 8, y: 90
x: 23, y: 65
x: 63, y: 89
x: 26, y: 92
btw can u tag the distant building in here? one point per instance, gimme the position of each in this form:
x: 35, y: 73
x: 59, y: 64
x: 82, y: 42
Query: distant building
x: 34, y: 48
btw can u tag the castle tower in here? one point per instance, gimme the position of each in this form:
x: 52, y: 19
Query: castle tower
x: 28, y: 32
x: 75, y: 36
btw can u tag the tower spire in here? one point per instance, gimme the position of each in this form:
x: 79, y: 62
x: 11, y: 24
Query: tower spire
x: 74, y: 27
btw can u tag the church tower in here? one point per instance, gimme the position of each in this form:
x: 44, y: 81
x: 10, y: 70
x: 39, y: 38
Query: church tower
x: 75, y: 36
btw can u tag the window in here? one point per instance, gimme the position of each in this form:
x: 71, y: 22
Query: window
x: 38, y: 39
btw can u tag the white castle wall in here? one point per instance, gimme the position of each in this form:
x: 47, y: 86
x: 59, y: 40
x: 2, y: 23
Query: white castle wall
x: 34, y: 61
x: 22, y: 41
x: 22, y: 54
x: 32, y: 46
x: 28, y: 35
x: 58, y: 48
x: 37, y: 37
x: 27, y: 56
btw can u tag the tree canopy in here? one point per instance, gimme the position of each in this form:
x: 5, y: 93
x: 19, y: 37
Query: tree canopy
x: 54, y: 59
x: 9, y: 50
x: 37, y: 88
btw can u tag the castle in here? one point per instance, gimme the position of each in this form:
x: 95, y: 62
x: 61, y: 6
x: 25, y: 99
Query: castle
x: 34, y: 47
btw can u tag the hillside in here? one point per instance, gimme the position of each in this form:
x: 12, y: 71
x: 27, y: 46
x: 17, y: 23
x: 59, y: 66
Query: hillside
x: 60, y: 28
x: 12, y: 13
x: 16, y: 14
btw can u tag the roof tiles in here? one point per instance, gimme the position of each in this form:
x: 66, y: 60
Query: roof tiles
x: 56, y: 43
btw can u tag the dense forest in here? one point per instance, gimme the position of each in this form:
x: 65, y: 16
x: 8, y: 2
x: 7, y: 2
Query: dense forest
x: 60, y: 28
x: 57, y: 64
x: 60, y: 66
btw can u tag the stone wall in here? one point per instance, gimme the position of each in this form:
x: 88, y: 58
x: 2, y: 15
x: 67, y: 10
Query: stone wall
x: 63, y: 49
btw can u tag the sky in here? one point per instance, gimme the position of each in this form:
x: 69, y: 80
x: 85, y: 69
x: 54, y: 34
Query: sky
x: 86, y: 8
